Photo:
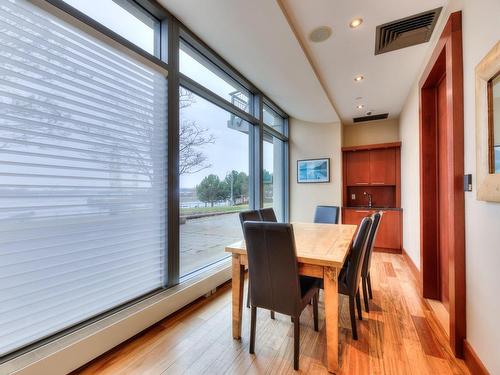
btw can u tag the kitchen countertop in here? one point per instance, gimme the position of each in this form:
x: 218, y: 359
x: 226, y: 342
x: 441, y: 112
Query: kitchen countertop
x: 374, y: 208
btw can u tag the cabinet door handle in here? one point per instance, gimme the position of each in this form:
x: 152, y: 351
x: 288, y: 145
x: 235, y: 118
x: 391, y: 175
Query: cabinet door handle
x: 361, y: 183
x: 378, y: 183
x: 362, y: 211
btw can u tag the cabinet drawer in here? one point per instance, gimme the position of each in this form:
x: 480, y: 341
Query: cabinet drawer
x: 354, y: 216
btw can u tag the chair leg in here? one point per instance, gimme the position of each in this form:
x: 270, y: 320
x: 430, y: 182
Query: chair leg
x: 253, y: 318
x: 296, y: 342
x: 315, y: 311
x: 368, y: 278
x: 272, y: 315
x: 358, y: 305
x: 248, y: 294
x: 365, y: 294
x: 353, y: 318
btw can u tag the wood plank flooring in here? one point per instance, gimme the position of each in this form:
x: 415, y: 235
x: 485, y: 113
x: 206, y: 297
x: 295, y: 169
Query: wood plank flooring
x: 399, y: 336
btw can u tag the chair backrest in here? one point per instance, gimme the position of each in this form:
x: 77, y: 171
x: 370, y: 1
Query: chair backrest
x: 249, y: 215
x: 327, y: 214
x: 273, y: 267
x: 370, y: 244
x: 357, y: 254
x: 267, y: 214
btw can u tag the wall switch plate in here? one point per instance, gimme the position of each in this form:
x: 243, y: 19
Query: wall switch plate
x: 468, y: 182
x: 353, y: 197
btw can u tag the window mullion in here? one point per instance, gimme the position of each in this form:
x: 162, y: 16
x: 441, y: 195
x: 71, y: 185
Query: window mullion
x: 259, y: 164
x: 173, y: 247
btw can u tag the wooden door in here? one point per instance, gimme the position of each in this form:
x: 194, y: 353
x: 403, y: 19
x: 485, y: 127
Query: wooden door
x: 358, y: 168
x: 443, y: 192
x: 383, y: 167
x: 441, y: 231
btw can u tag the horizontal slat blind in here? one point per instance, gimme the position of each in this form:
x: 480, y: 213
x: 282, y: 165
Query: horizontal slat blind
x: 82, y: 176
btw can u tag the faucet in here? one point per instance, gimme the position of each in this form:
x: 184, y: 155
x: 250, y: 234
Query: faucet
x: 369, y: 198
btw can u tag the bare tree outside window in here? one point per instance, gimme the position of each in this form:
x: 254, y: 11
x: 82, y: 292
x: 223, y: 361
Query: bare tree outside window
x: 191, y: 138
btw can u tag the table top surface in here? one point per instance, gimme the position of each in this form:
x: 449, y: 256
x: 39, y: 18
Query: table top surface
x: 317, y: 244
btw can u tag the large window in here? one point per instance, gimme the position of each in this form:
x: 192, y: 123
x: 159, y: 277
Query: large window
x: 273, y: 175
x: 214, y: 180
x: 83, y: 179
x: 86, y: 224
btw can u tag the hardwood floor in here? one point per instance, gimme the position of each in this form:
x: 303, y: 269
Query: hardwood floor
x: 399, y: 336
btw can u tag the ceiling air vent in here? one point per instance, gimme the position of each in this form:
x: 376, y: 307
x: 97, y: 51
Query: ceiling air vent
x: 406, y: 32
x: 382, y: 116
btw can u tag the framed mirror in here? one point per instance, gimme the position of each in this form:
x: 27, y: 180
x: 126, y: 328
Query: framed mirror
x: 488, y: 126
x: 494, y: 123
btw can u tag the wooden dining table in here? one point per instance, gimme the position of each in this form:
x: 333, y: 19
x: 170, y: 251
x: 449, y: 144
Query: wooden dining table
x: 321, y: 252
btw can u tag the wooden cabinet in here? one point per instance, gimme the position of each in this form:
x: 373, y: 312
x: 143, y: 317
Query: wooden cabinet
x: 357, y: 168
x: 372, y: 173
x: 383, y: 167
x: 371, y: 167
x: 354, y: 215
x: 389, y: 233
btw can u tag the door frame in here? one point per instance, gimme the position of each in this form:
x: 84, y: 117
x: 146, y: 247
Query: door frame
x: 446, y: 59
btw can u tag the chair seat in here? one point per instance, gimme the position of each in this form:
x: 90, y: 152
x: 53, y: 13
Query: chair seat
x: 307, y: 284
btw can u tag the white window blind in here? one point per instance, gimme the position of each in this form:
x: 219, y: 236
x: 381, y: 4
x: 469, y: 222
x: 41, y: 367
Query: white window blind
x: 82, y: 176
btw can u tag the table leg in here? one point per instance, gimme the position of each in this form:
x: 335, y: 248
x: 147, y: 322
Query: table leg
x: 331, y: 318
x: 238, y: 271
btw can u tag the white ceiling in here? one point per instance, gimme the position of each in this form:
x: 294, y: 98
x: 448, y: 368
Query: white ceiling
x: 349, y: 52
x: 257, y: 38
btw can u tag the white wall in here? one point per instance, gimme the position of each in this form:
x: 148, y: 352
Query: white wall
x: 309, y: 141
x: 481, y: 30
x: 410, y: 176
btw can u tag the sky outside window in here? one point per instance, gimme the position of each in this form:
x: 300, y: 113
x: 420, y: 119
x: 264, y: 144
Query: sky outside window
x: 272, y: 119
x: 195, y: 68
x: 139, y: 31
x: 228, y: 148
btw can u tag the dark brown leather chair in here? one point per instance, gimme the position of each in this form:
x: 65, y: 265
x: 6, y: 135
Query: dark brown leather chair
x: 250, y: 215
x: 274, y: 271
x: 365, y: 270
x: 267, y: 214
x: 350, y: 274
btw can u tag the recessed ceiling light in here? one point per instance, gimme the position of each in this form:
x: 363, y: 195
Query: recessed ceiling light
x: 320, y: 34
x: 355, y: 23
x: 359, y: 106
x: 359, y: 78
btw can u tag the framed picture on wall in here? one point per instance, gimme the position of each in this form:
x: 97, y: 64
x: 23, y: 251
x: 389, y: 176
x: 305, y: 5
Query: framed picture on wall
x: 313, y: 170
